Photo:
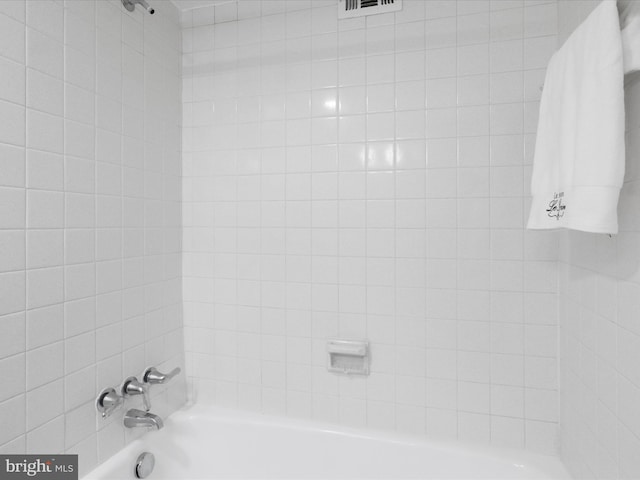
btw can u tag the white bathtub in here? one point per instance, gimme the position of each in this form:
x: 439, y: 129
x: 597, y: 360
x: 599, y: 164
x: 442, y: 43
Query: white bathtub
x: 203, y: 442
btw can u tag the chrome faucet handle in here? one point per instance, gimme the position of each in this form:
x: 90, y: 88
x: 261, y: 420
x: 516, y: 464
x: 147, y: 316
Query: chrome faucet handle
x: 132, y: 386
x: 153, y: 376
x: 108, y: 401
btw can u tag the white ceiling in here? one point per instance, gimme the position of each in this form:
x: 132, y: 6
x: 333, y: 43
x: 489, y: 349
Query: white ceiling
x: 191, y: 4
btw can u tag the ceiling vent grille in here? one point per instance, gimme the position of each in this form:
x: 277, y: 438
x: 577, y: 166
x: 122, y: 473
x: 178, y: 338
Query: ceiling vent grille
x: 360, y: 8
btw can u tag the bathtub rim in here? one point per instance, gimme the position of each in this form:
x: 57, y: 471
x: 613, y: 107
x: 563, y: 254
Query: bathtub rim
x: 549, y: 465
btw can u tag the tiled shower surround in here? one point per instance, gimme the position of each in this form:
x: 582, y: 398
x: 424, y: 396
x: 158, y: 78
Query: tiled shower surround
x: 90, y: 218
x: 363, y: 178
x: 600, y: 319
x: 368, y: 179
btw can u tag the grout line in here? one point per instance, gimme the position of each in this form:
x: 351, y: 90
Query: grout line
x: 64, y: 230
x: 94, y: 197
x: 522, y: 201
x: 26, y: 219
x: 457, y: 316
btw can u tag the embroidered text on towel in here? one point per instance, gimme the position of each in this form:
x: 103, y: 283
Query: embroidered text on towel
x: 556, y: 208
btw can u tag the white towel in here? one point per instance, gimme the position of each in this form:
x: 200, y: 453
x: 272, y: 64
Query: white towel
x: 578, y: 167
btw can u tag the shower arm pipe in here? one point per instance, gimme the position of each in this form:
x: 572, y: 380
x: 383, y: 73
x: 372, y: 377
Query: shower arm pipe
x: 130, y: 5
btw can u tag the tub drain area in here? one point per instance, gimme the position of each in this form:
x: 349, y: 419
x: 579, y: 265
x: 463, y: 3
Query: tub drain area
x: 144, y: 464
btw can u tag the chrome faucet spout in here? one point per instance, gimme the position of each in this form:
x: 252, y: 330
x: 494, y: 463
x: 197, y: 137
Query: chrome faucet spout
x: 137, y: 418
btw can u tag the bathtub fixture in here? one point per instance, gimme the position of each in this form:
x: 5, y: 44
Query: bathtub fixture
x: 144, y: 465
x: 131, y: 386
x: 108, y: 401
x: 255, y: 445
x: 131, y: 5
x: 348, y: 356
x: 154, y: 377
x: 137, y: 418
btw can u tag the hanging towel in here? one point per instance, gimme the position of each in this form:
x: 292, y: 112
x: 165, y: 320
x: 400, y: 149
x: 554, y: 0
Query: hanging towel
x: 578, y: 167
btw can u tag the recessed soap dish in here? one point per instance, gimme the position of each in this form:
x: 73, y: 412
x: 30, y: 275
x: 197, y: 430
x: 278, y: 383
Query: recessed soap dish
x: 348, y: 356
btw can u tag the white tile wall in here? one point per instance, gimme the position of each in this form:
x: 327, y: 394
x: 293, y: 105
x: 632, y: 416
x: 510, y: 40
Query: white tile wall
x: 599, y: 292
x: 90, y: 247
x: 368, y: 178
